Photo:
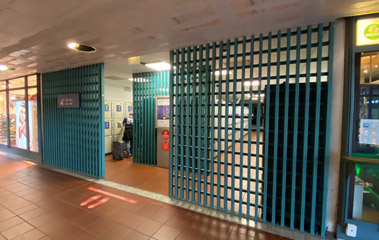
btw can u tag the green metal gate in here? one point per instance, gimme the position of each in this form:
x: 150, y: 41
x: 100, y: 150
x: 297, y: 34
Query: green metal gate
x: 250, y: 126
x: 74, y: 138
x: 146, y: 87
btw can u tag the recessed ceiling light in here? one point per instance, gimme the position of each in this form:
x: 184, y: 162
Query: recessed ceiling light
x: 73, y: 45
x: 159, y: 66
x: 365, y: 71
x: 3, y: 68
x: 81, y: 47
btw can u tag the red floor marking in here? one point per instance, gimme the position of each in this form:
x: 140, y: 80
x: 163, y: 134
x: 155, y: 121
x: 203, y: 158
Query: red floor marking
x: 102, y: 201
x: 90, y: 200
x: 113, y: 195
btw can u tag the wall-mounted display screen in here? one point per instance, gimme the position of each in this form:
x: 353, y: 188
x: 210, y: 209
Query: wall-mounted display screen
x: 17, y: 119
x: 3, y: 119
x: 33, y: 119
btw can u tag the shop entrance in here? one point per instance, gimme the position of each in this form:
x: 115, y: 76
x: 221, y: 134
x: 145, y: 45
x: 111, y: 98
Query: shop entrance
x: 131, y: 92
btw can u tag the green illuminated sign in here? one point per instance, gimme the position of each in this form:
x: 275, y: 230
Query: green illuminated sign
x: 372, y: 31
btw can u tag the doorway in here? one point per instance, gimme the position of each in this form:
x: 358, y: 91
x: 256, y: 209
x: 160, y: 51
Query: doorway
x: 130, y: 92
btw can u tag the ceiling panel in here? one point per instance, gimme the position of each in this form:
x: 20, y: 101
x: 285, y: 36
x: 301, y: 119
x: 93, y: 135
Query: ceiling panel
x: 125, y: 28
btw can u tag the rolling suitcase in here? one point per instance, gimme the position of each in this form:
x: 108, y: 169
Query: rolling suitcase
x: 118, y: 149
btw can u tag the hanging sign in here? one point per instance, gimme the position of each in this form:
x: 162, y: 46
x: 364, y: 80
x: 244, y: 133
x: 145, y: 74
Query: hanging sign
x: 367, y: 31
x: 165, y: 146
x: 165, y: 134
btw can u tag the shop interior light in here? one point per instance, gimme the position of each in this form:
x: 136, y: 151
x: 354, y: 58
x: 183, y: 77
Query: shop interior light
x: 223, y: 72
x: 159, y: 66
x: 3, y: 68
x: 255, y: 83
x: 365, y: 71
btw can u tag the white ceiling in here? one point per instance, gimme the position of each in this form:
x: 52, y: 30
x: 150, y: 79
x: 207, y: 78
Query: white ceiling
x: 34, y: 33
x: 120, y: 68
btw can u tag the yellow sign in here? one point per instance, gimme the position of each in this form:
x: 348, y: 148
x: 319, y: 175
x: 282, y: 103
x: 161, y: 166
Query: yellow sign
x: 367, y: 31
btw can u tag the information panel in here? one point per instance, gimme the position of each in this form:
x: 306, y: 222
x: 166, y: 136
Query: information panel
x: 162, y: 112
x: 369, y: 131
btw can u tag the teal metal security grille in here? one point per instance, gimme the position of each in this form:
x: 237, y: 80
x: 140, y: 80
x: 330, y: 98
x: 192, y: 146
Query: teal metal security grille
x: 146, y: 87
x: 250, y: 126
x: 74, y: 138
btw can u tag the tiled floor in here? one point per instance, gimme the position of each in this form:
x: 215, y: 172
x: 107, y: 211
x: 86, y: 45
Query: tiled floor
x: 150, y: 178
x: 37, y: 203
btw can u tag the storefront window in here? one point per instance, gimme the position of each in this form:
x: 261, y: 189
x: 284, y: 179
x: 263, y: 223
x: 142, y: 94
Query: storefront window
x: 33, y: 119
x: 16, y: 83
x: 17, y: 119
x: 367, y: 122
x: 32, y: 80
x: 3, y: 118
x: 365, y: 194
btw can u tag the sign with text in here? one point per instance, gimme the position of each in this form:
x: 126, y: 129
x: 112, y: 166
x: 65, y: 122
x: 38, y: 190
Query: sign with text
x: 367, y: 31
x: 162, y: 112
x: 68, y: 100
x: 369, y: 131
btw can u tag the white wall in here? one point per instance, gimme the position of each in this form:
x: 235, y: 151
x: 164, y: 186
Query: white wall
x: 117, y: 93
x: 335, y: 124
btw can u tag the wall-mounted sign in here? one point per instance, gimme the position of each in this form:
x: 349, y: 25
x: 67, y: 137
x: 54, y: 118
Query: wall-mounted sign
x: 367, y: 31
x: 165, y: 134
x: 165, y: 146
x: 118, y: 108
x: 106, y: 107
x: 369, y: 131
x: 68, y: 100
x: 130, y: 109
x: 162, y: 112
x: 106, y: 125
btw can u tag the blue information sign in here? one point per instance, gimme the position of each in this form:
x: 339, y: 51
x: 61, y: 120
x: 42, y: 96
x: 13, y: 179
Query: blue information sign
x: 106, y: 125
x: 118, y: 108
x: 130, y: 109
x: 107, y: 107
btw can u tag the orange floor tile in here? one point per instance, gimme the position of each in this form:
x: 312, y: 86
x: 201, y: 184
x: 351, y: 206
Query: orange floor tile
x: 151, y: 178
x: 37, y: 203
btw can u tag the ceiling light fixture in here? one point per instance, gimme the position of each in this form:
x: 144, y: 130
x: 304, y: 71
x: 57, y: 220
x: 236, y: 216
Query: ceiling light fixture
x: 131, y: 79
x: 159, y: 66
x: 365, y: 71
x: 3, y: 68
x: 81, y: 47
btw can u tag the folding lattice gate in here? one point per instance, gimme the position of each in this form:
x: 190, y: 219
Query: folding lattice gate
x: 249, y: 124
x: 74, y: 137
x: 146, y: 87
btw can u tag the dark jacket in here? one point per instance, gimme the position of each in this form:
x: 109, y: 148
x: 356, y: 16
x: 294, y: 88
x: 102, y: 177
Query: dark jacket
x: 128, y: 132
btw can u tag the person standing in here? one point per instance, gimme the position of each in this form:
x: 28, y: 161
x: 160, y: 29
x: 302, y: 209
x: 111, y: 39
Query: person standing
x: 128, y: 134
